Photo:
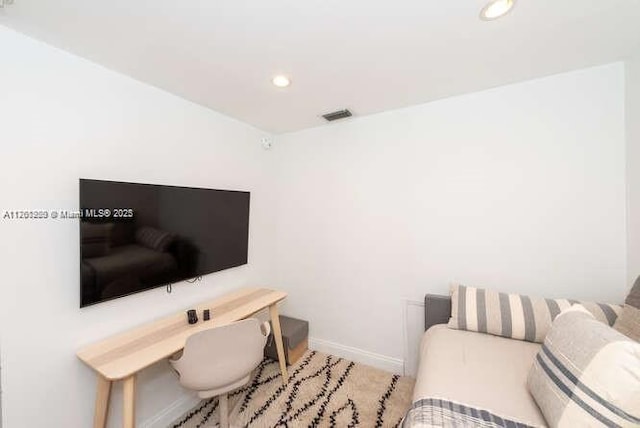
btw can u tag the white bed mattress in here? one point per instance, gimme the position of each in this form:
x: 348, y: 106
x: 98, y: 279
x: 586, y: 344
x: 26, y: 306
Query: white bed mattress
x: 479, y: 370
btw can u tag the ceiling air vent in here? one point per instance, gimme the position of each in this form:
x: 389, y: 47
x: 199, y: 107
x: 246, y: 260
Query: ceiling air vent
x: 340, y: 114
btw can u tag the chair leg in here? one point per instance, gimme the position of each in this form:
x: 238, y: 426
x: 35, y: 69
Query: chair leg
x: 224, y: 411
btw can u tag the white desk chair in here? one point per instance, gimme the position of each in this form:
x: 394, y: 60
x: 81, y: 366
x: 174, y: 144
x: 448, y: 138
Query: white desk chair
x: 219, y: 360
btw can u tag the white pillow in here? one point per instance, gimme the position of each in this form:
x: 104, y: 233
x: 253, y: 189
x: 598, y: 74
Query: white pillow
x: 586, y: 374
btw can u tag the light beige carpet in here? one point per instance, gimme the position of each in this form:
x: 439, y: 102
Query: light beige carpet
x: 323, y: 391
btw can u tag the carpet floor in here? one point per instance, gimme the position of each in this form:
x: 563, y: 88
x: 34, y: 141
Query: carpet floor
x: 323, y: 391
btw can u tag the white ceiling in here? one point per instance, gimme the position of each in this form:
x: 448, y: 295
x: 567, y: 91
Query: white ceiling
x: 366, y: 55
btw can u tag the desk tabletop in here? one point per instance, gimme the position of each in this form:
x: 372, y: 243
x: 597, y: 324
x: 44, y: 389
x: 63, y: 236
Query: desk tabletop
x: 124, y: 354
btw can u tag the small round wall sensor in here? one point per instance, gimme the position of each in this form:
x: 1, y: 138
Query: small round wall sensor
x: 266, y: 143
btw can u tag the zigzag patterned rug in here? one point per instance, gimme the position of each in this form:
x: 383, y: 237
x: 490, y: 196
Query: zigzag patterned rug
x: 323, y: 391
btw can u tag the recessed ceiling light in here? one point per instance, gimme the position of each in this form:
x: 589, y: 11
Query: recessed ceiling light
x: 496, y: 8
x: 281, y: 81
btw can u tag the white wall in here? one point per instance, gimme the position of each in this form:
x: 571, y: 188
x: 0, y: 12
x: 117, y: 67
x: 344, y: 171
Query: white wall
x: 62, y: 118
x: 633, y: 165
x: 520, y: 188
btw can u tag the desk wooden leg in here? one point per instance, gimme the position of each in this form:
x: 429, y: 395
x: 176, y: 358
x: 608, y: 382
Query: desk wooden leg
x: 129, y: 404
x: 277, y: 335
x: 103, y: 392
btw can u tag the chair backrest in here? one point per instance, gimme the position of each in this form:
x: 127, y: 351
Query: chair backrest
x: 222, y: 355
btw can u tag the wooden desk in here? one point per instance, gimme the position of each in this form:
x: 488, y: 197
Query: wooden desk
x: 121, y: 356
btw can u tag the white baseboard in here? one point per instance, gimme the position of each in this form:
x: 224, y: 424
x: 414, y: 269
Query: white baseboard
x: 171, y: 413
x: 382, y: 362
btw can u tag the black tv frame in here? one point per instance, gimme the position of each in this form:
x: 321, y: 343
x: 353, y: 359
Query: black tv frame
x: 200, y: 274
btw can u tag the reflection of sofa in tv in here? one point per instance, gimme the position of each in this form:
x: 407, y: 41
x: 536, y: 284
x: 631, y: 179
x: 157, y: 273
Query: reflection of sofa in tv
x: 117, y: 262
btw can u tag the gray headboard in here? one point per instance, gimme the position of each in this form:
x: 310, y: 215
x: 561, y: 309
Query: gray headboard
x: 437, y: 310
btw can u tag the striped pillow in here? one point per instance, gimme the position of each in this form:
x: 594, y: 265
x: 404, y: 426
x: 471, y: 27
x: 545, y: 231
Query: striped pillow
x: 154, y: 239
x: 628, y: 323
x: 633, y: 299
x: 513, y: 315
x: 586, y: 374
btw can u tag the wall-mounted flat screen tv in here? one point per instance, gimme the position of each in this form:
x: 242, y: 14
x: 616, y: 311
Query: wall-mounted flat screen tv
x: 134, y: 237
